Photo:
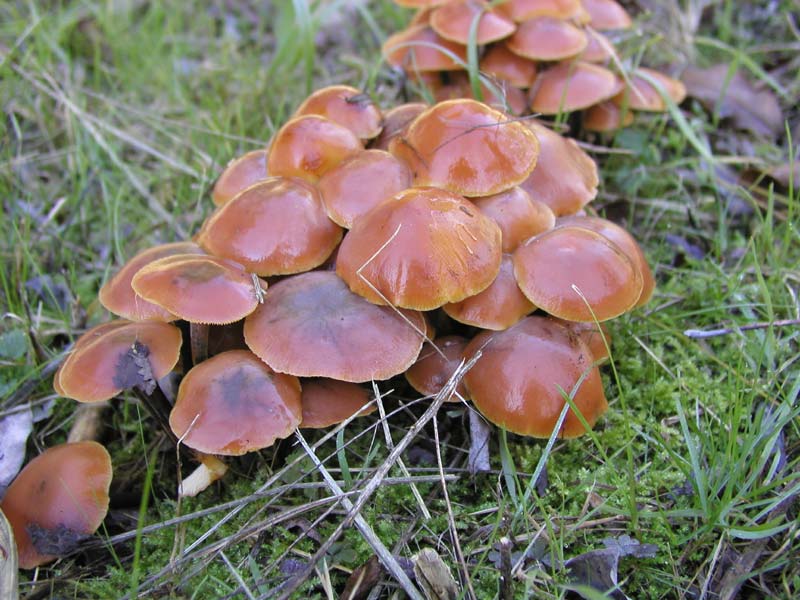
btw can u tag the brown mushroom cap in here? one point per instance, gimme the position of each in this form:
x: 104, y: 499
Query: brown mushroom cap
x: 644, y: 96
x: 607, y: 14
x: 566, y: 177
x: 57, y: 500
x: 361, y: 182
x: 233, y: 403
x: 396, y: 122
x: 468, y: 148
x: 546, y: 38
x: 240, y: 174
x: 523, y: 10
x: 421, y: 49
x: 517, y: 214
x: 596, y: 336
x: 502, y: 63
x: 311, y: 325
x: 420, y: 250
x: 572, y: 86
x: 198, y: 289
x: 88, y: 337
x: 625, y: 241
x: 599, y: 48
x: 310, y: 145
x: 118, y: 296
x: 328, y: 402
x: 518, y: 381
x: 453, y: 21
x: 550, y: 266
x: 433, y: 369
x: 606, y: 116
x: 497, y: 307
x: 346, y: 106
x: 108, y: 361
x: 276, y: 227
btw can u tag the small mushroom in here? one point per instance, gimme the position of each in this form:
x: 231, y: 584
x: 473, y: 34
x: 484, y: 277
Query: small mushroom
x: 328, y: 402
x: 436, y: 364
x: 421, y: 49
x: 547, y: 39
x: 454, y: 21
x: 523, y: 10
x: 396, y: 122
x: 346, y: 106
x: 240, y: 174
x: 606, y: 14
x: 503, y: 64
x: 571, y: 86
x: 519, y: 216
x: 643, y: 95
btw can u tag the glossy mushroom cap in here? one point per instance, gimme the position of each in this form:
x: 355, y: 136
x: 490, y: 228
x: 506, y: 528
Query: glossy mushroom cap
x: 118, y: 296
x: 519, y: 216
x: 467, y: 148
x: 58, y: 499
x: 360, y: 183
x: 566, y: 177
x: 422, y: 249
x: 240, y: 174
x: 309, y: 146
x: 233, y: 403
x: 606, y: 14
x: 502, y: 63
x: 117, y: 356
x: 396, y: 122
x: 519, y: 380
x: 311, y: 325
x: 596, y: 336
x: 523, y: 10
x: 421, y: 49
x: 453, y: 21
x: 547, y: 39
x: 199, y: 289
x: 643, y: 95
x: 572, y: 86
x: 346, y: 106
x: 497, y: 307
x: 276, y: 227
x: 434, y: 369
x: 328, y: 402
x: 577, y: 274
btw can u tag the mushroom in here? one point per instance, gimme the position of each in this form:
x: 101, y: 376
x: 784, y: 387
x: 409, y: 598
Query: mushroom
x: 519, y: 216
x: 240, y: 174
x: 421, y: 49
x: 328, y: 402
x: 643, y: 95
x: 436, y: 364
x: 572, y: 86
x: 501, y: 63
x: 523, y: 10
x: 454, y: 22
x: 346, y: 106
x: 547, y: 39
x: 606, y: 116
x: 606, y: 14
x: 395, y: 122
x: 57, y: 501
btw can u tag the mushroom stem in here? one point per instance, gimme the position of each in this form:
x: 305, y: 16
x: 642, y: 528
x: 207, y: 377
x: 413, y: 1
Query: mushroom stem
x: 198, y: 335
x: 210, y: 469
x: 88, y: 423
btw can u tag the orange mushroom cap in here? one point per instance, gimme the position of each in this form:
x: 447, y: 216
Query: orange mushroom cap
x: 328, y: 402
x: 118, y: 296
x: 433, y: 369
x: 199, y: 289
x: 310, y: 145
x: 421, y: 49
x: 607, y: 14
x: 577, y: 274
x: 117, y: 356
x: 502, y: 63
x: 468, y: 148
x: 572, y: 86
x: 276, y: 227
x: 566, y: 177
x: 547, y: 38
x: 347, y: 106
x: 240, y: 174
x: 420, y: 250
x: 233, y: 403
x: 517, y: 214
x: 396, y: 122
x: 57, y: 500
x: 518, y: 381
x: 606, y: 116
x: 523, y: 10
x: 453, y: 21
x: 361, y: 182
x: 311, y: 325
x: 642, y: 95
x: 599, y: 48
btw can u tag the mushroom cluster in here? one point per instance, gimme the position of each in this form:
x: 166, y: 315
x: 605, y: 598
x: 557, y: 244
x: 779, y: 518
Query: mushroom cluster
x: 335, y: 257
x: 542, y: 56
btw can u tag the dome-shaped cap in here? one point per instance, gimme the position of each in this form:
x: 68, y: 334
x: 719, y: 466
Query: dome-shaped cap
x: 420, y: 250
x: 309, y: 146
x: 421, y: 49
x: 453, y: 21
x: 497, y: 307
x: 572, y: 86
x: 118, y: 296
x: 233, y: 403
x: 502, y: 63
x: 517, y: 214
x: 642, y: 95
x: 199, y: 289
x: 240, y: 174
x: 436, y: 365
x: 347, y: 106
x: 606, y: 116
x: 328, y: 402
x: 117, y: 356
x: 606, y: 14
x: 546, y: 39
x: 566, y: 177
x: 360, y: 183
x: 467, y: 148
x: 599, y: 48
x: 276, y: 227
x: 89, y: 336
x: 396, y: 121
x: 523, y: 10
x: 550, y: 266
x: 517, y: 382
x: 311, y: 325
x: 57, y: 500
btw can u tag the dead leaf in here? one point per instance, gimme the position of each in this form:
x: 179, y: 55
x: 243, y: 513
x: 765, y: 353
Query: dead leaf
x: 786, y: 172
x: 362, y: 580
x: 750, y: 108
x: 8, y: 561
x: 434, y: 577
x: 479, y: 433
x: 14, y: 431
x: 133, y: 369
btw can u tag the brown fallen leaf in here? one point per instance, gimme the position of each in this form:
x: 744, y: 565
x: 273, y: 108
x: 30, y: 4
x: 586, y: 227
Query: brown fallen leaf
x: 786, y: 172
x: 362, y: 580
x: 434, y: 577
x: 749, y: 108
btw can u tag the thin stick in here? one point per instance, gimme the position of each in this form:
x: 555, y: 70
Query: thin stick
x: 709, y: 333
